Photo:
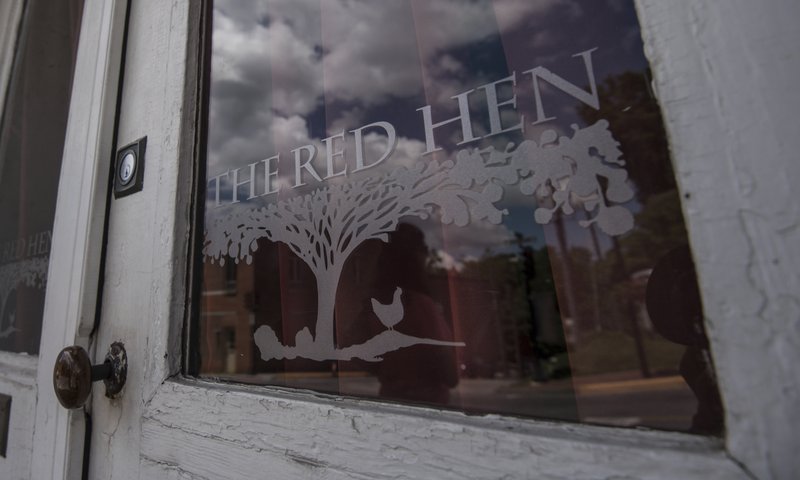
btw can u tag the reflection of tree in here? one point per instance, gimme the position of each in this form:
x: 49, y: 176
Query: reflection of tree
x: 526, y: 328
x: 635, y: 120
x: 584, y: 301
x: 660, y: 228
x: 501, y: 279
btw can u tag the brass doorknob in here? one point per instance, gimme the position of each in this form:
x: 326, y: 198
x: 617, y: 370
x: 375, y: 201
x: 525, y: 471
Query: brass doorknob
x: 74, y: 373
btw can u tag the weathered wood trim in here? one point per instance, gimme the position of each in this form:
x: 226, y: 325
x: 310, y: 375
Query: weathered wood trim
x: 212, y: 431
x: 78, y: 231
x: 726, y: 76
x: 143, y: 294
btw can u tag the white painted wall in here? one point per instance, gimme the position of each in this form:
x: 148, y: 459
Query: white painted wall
x: 726, y: 73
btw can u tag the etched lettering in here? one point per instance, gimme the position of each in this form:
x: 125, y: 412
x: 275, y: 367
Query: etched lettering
x: 589, y: 98
x: 495, y: 123
x: 463, y: 116
x: 391, y: 138
x: 299, y: 165
x: 270, y: 174
x: 250, y: 181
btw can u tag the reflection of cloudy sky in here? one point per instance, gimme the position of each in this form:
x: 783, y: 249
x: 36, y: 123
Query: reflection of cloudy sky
x: 286, y: 73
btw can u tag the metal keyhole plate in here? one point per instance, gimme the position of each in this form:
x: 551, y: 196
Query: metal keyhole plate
x: 127, y: 168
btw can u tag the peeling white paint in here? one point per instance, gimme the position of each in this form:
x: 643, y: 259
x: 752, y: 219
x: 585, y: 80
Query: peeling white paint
x: 305, y: 435
x: 726, y: 73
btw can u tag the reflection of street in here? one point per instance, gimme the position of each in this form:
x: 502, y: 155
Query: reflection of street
x: 660, y: 402
x: 621, y: 399
x: 628, y: 400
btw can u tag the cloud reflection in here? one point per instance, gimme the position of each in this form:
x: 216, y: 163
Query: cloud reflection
x: 287, y: 73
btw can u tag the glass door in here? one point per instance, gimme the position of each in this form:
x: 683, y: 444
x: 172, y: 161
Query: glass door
x: 398, y: 240
x: 39, y: 50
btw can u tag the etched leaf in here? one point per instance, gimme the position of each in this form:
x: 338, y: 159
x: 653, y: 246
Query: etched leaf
x: 571, y: 174
x: 616, y: 220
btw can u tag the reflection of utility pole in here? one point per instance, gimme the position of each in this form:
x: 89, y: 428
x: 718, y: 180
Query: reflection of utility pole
x: 499, y: 332
x: 631, y: 311
x: 598, y: 256
x: 567, y: 271
x: 529, y: 272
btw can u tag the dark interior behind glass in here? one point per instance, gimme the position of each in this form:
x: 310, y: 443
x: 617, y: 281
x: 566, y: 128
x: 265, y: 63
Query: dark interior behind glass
x: 34, y: 123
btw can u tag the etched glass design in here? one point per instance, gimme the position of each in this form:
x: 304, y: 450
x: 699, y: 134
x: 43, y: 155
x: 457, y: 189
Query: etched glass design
x: 34, y: 123
x: 454, y: 203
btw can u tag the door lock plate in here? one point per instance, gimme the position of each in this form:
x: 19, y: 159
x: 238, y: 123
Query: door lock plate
x: 129, y: 168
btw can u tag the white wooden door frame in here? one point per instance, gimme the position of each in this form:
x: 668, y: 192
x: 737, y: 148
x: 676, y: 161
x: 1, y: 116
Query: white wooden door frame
x: 73, y: 275
x: 725, y: 74
x: 167, y: 426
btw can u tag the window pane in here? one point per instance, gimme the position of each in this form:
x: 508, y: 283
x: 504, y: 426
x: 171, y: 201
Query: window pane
x: 465, y: 204
x: 31, y: 144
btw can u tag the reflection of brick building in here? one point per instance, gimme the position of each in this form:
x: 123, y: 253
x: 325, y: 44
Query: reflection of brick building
x: 225, y: 336
x: 275, y: 289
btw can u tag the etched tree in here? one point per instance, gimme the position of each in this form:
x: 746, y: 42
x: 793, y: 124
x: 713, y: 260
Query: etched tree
x: 325, y: 226
x: 31, y: 272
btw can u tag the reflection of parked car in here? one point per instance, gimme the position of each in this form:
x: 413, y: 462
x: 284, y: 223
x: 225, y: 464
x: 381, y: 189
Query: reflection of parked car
x: 557, y: 366
x: 553, y: 361
x: 569, y: 330
x: 478, y: 367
